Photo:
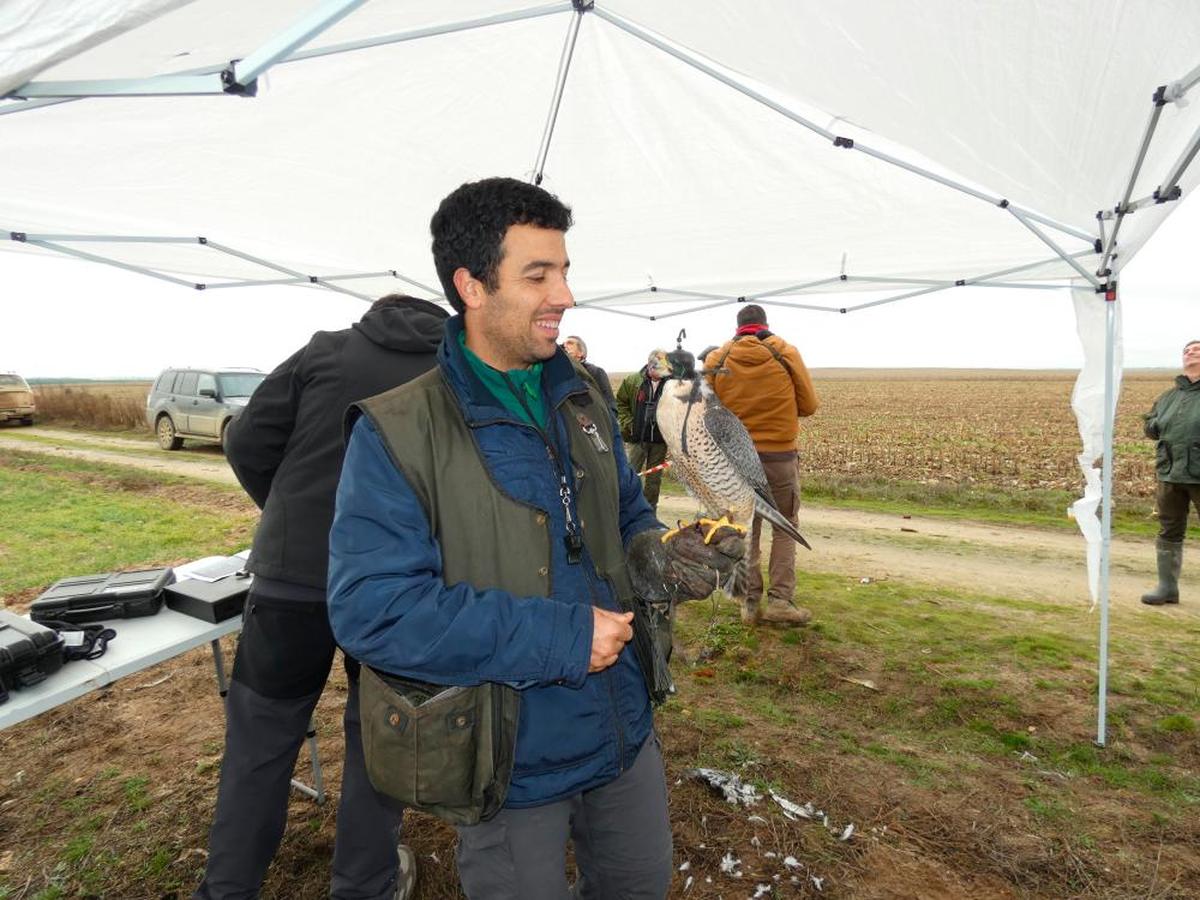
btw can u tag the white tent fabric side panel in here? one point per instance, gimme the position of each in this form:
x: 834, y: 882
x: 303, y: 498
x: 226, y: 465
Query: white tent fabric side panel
x: 1088, y: 404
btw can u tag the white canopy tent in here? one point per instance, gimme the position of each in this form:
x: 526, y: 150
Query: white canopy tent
x: 786, y: 152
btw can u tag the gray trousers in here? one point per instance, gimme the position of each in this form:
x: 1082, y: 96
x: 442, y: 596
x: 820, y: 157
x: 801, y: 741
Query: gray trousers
x: 621, y: 832
x: 283, y: 659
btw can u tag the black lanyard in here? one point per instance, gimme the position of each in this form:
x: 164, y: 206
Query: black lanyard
x: 572, y: 539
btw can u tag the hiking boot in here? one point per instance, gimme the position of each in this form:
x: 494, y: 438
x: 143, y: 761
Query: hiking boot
x: 1170, y: 562
x: 406, y: 873
x: 751, y: 614
x: 780, y: 613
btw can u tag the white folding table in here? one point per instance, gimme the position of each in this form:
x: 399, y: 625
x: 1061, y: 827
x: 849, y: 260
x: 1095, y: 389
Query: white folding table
x: 140, y: 643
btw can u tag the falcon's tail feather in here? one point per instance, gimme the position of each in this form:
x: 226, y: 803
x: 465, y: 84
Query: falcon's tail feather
x: 777, y: 520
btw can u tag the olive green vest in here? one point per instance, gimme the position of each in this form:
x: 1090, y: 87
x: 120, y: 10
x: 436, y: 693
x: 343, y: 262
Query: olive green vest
x: 450, y: 751
x: 427, y: 437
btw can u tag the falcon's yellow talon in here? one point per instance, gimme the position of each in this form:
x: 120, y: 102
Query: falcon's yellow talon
x: 666, y: 535
x: 714, y: 525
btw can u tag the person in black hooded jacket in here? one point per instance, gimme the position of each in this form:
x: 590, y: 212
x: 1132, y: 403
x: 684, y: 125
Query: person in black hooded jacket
x: 286, y: 450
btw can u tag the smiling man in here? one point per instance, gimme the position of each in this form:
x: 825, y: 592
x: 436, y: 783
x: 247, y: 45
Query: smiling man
x: 489, y: 536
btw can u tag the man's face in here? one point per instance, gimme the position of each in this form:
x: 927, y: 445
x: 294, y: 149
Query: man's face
x: 571, y: 348
x: 1191, y: 361
x: 517, y: 324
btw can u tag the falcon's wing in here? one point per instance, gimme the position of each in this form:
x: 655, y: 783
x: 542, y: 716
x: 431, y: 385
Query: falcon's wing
x: 731, y: 436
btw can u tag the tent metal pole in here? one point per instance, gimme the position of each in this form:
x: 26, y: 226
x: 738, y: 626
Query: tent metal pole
x: 991, y: 276
x: 515, y: 15
x: 1057, y: 249
x: 1178, y: 88
x: 1110, y: 319
x: 311, y: 279
x: 208, y: 79
x: 692, y: 309
x: 1164, y: 191
x: 213, y: 286
x: 560, y: 84
x: 93, y: 257
x: 699, y: 64
x: 928, y: 290
x: 158, y: 86
x: 621, y: 295
x: 783, y: 304
x: 279, y: 47
x: 699, y: 295
x: 418, y: 284
x: 794, y: 288
x: 1122, y: 207
x: 26, y: 105
x: 111, y: 238
x: 622, y: 312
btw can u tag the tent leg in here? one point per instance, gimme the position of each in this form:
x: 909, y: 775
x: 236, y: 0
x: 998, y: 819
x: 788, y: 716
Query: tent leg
x: 1110, y: 318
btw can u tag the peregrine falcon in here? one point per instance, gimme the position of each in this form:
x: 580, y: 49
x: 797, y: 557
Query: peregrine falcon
x: 713, y: 455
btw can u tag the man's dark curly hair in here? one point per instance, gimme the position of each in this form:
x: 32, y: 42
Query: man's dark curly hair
x: 469, y: 226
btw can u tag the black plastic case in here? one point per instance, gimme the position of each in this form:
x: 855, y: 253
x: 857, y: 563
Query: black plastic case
x: 212, y: 601
x: 95, y: 598
x: 28, y: 652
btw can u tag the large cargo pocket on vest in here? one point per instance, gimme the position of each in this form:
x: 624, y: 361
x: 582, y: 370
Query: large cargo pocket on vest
x: 1193, y: 460
x: 1162, y: 459
x: 447, y: 751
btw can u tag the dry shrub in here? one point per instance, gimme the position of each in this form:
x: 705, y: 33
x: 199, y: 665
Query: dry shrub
x: 120, y: 407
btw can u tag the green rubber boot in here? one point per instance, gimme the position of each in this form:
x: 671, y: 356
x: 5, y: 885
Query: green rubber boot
x: 1170, y: 563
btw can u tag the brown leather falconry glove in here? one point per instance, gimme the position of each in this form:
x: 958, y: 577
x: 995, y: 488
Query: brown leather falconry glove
x: 683, y: 567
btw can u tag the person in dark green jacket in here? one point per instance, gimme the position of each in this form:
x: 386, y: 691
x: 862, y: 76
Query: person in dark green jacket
x: 1174, y: 422
x: 637, y: 400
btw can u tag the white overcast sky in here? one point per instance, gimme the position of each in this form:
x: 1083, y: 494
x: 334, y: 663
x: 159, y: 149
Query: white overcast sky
x: 66, y: 318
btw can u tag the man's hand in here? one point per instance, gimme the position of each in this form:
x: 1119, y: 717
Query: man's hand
x: 685, y: 567
x: 610, y: 632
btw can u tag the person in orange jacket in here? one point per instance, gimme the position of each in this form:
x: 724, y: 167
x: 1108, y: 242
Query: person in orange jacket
x: 761, y: 378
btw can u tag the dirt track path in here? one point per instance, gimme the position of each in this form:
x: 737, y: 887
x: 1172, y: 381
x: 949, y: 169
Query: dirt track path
x: 1026, y: 563
x: 205, y: 463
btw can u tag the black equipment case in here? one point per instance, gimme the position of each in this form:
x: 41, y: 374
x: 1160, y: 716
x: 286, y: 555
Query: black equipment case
x: 92, y: 598
x: 212, y: 601
x: 28, y: 652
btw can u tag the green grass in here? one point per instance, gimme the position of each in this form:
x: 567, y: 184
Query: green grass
x: 63, y: 517
x: 963, y: 683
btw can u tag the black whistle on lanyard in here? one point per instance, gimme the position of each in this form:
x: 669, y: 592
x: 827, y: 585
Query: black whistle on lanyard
x: 574, y: 544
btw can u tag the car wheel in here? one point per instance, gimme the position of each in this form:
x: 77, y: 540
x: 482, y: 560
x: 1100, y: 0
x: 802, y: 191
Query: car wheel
x: 28, y: 420
x: 167, y: 438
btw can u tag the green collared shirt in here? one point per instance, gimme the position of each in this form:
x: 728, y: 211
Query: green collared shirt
x: 527, y: 382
